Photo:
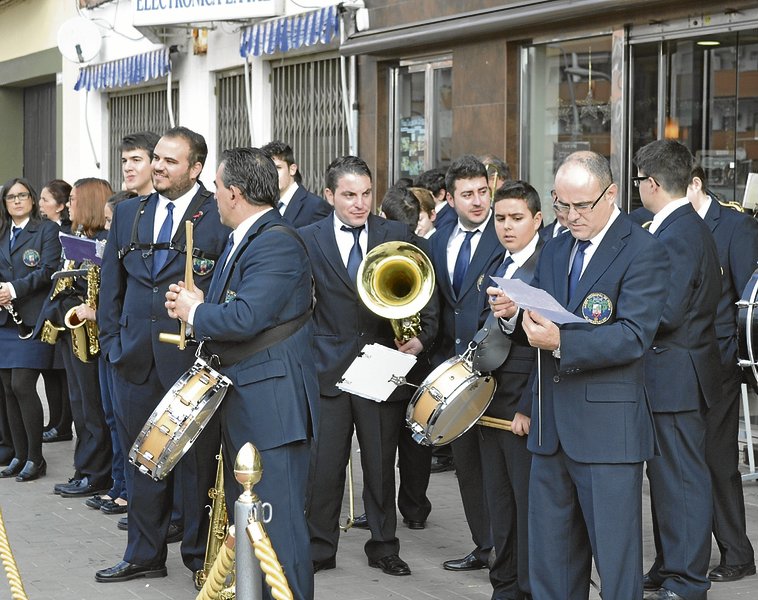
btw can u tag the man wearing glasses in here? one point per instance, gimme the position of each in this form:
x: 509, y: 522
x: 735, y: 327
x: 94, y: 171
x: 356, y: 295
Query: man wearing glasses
x: 685, y: 344
x: 591, y: 427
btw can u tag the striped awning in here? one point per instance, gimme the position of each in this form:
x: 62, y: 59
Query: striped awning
x: 125, y: 72
x: 291, y: 33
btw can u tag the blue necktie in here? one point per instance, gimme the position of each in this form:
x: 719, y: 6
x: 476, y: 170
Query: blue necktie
x: 356, y: 254
x: 501, y: 270
x: 461, y: 262
x: 164, y: 237
x: 576, y: 266
x: 14, y: 234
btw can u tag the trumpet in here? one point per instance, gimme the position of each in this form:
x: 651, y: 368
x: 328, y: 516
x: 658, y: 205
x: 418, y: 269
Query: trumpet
x: 395, y: 281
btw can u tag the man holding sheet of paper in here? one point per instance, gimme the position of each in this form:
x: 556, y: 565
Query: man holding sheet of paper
x: 591, y: 427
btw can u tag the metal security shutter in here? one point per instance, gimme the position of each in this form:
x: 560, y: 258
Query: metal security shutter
x: 232, y: 125
x: 307, y: 114
x: 134, y: 111
x: 39, y: 134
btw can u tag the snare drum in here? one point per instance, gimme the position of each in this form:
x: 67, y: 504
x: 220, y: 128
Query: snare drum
x: 449, y: 402
x: 747, y: 330
x: 179, y: 418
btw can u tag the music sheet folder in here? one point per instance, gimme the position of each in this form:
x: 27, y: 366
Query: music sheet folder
x: 374, y: 372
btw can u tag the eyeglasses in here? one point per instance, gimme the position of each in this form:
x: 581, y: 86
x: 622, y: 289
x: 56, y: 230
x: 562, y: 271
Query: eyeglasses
x: 581, y: 208
x: 23, y: 196
x: 636, y: 181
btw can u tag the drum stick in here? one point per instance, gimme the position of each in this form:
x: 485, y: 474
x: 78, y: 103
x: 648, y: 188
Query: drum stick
x: 189, y: 281
x: 494, y: 422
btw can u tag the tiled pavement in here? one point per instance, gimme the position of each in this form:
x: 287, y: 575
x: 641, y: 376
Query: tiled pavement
x: 59, y: 544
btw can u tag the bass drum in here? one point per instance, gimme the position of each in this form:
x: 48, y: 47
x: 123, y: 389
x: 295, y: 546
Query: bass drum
x: 179, y: 418
x: 747, y: 330
x: 449, y: 402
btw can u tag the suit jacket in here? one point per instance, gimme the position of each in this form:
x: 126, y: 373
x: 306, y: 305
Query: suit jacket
x: 275, y: 391
x: 305, y: 208
x: 593, y: 401
x: 736, y: 236
x: 510, y: 395
x: 546, y: 233
x: 29, y: 267
x: 342, y: 323
x: 444, y: 217
x: 131, y: 312
x: 685, y: 343
x: 460, y: 314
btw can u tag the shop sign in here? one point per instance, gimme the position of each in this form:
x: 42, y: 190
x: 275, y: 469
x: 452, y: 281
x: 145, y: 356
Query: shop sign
x: 167, y: 12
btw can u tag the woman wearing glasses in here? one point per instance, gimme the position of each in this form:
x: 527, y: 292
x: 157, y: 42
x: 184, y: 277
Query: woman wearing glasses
x: 29, y: 253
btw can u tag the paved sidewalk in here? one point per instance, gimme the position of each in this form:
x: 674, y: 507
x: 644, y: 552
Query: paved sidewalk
x: 60, y: 543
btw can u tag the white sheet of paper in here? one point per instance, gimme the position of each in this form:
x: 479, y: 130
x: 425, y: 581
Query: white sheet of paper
x: 370, y: 373
x: 531, y: 298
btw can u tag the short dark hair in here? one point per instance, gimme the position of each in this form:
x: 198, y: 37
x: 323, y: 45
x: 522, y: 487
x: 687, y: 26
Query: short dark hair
x: 433, y: 180
x: 253, y: 173
x: 596, y: 164
x: 280, y: 150
x: 502, y: 168
x: 699, y: 172
x: 399, y: 204
x: 520, y: 190
x: 467, y: 166
x: 342, y: 166
x: 142, y: 140
x: 198, y: 147
x: 119, y: 197
x: 669, y: 162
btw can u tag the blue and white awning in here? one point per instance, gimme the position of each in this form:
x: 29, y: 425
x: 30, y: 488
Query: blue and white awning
x: 125, y: 72
x: 291, y: 33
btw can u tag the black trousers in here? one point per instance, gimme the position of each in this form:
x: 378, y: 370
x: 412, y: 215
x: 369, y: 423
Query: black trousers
x: 722, y: 457
x: 377, y: 425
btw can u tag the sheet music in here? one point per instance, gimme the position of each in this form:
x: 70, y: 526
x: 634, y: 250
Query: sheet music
x: 370, y: 374
x: 80, y: 248
x: 531, y: 298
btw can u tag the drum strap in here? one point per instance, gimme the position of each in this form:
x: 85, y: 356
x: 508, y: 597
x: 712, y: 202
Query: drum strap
x: 224, y: 354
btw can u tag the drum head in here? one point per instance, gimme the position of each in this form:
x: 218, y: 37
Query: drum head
x: 462, y: 410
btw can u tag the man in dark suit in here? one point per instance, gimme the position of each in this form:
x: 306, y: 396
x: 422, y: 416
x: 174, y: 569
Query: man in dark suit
x: 736, y: 236
x: 264, y: 290
x: 556, y: 228
x: 342, y: 326
x: 504, y: 455
x: 434, y: 181
x: 462, y: 252
x: 684, y: 345
x: 144, y: 254
x: 591, y: 427
x: 296, y: 204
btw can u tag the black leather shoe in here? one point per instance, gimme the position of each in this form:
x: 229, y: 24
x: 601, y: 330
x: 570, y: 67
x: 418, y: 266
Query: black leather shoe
x: 175, y: 533
x: 731, y: 572
x: 391, y: 565
x: 467, y: 563
x: 111, y: 507
x: 123, y: 524
x: 649, y: 584
x: 663, y: 594
x: 84, y: 488
x: 53, y: 435
x: 59, y: 487
x: 95, y: 502
x: 324, y: 565
x: 415, y: 524
x: 361, y: 522
x: 32, y: 471
x: 125, y: 571
x: 13, y: 469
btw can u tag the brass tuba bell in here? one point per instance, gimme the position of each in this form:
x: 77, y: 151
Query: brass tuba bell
x: 395, y: 281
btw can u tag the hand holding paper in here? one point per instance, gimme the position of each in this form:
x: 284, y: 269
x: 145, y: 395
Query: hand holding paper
x: 534, y: 299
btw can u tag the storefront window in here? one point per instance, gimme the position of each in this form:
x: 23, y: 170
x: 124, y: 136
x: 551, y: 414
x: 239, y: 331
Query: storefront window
x: 567, y: 106
x: 703, y: 92
x: 422, y: 117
